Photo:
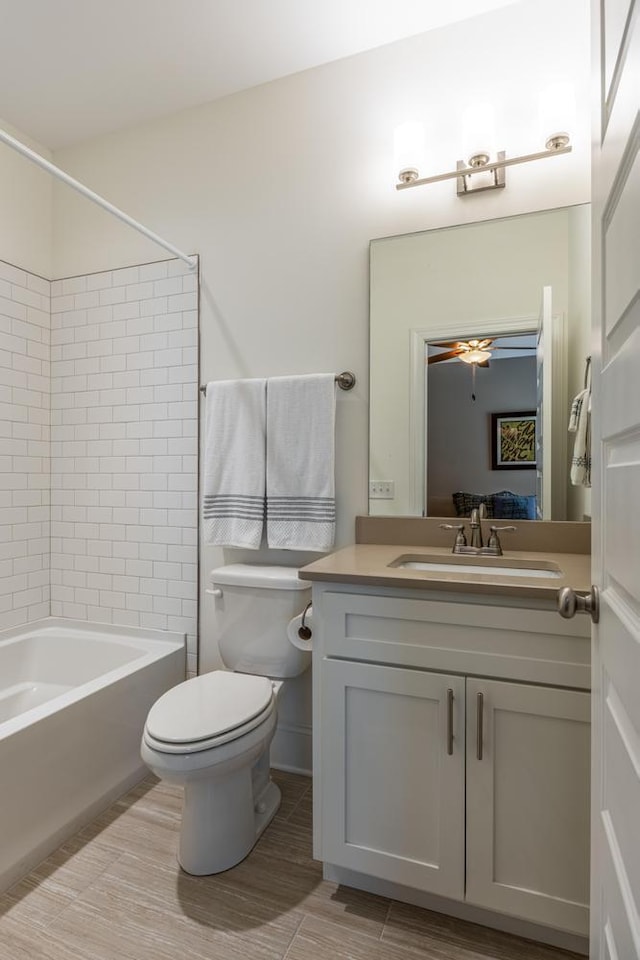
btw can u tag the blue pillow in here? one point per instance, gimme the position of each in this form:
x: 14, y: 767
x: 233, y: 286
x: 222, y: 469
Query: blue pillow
x: 512, y: 506
x: 464, y: 503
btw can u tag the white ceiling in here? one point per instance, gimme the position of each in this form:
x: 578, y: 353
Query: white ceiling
x: 74, y: 69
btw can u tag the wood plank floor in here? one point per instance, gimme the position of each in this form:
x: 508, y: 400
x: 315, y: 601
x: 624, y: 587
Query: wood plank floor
x: 115, y: 892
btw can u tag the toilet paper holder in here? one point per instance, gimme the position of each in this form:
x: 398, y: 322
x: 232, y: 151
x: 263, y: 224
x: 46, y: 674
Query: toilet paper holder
x: 304, y: 632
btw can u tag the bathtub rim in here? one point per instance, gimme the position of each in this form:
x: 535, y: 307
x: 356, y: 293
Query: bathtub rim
x: 152, y: 645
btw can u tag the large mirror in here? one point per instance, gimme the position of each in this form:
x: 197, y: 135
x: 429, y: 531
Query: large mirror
x: 479, y: 336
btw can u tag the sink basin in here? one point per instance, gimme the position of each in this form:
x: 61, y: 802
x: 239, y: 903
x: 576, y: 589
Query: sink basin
x: 501, y: 566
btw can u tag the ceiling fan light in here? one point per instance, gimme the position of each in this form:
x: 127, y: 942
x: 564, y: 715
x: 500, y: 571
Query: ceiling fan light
x: 475, y: 356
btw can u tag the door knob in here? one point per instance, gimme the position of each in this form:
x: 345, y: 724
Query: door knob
x: 570, y: 603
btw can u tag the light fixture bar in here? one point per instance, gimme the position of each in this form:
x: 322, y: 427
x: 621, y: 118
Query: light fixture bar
x: 487, y: 167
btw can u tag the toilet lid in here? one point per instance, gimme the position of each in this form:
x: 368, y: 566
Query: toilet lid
x: 208, y: 706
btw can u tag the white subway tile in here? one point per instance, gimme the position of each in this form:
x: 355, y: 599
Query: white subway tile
x: 127, y: 618
x: 139, y: 534
x: 123, y: 473
x: 139, y: 326
x: 153, y: 271
x: 113, y: 295
x: 139, y: 568
x: 140, y: 361
x: 139, y: 430
x: 153, y: 307
x: 98, y: 281
x: 168, y: 605
x: 126, y: 311
x: 154, y: 341
x: 126, y: 550
x: 153, y: 621
x: 153, y: 587
x: 89, y: 299
x: 140, y: 291
x: 154, y: 377
x: 171, y: 285
x: 72, y: 285
x: 126, y: 584
x: 172, y: 571
x: 153, y: 551
x: 139, y: 601
x: 180, y: 624
x: 115, y: 329
x: 101, y: 348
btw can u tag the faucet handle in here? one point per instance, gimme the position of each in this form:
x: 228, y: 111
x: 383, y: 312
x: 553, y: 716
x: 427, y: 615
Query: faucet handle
x: 494, y: 540
x: 461, y: 540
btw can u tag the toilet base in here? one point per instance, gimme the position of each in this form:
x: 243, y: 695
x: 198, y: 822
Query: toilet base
x: 222, y: 821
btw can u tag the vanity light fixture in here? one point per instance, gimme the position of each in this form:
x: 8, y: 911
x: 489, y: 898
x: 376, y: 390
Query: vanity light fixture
x: 479, y: 165
x: 556, y: 112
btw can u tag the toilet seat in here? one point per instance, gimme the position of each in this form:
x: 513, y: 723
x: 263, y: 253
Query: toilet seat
x: 207, y: 711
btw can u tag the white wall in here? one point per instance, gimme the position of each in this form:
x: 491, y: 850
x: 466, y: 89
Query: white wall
x: 26, y: 198
x: 280, y: 188
x: 459, y: 428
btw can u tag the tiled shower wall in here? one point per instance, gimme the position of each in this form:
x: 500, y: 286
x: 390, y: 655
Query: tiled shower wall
x: 24, y: 446
x: 124, y: 420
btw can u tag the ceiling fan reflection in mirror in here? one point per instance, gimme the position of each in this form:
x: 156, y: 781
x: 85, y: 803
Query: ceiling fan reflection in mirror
x: 477, y: 351
x: 474, y: 352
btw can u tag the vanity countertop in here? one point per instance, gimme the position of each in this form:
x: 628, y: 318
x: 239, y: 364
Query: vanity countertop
x: 370, y: 565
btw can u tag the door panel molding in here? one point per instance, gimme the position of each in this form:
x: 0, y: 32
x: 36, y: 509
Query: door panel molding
x: 608, y: 96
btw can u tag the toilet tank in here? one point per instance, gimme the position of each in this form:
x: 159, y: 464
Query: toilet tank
x: 250, y: 617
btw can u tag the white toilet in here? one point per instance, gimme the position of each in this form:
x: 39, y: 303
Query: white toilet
x: 212, y: 734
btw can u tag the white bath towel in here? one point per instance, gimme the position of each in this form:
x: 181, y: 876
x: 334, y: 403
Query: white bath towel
x: 234, y: 463
x: 301, y: 508
x: 580, y: 424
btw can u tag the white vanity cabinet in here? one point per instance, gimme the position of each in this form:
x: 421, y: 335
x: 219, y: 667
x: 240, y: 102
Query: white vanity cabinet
x: 451, y: 750
x: 393, y: 769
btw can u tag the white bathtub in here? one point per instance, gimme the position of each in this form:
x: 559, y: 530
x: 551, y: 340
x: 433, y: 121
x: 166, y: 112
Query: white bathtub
x: 73, y: 700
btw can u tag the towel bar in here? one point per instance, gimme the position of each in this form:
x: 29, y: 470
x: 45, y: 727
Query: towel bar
x: 345, y: 380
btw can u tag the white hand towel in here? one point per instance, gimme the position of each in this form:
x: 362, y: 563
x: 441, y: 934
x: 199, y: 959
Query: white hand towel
x: 580, y: 424
x: 234, y: 463
x: 301, y: 510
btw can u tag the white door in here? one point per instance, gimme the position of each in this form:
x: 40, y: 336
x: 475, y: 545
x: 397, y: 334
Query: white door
x: 393, y: 774
x: 552, y: 411
x: 543, y: 409
x: 528, y: 802
x: 615, y: 878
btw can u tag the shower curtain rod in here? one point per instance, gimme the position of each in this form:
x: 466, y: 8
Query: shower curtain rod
x: 51, y: 168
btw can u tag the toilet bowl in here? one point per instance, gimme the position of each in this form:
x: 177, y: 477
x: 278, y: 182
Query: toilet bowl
x: 211, y: 734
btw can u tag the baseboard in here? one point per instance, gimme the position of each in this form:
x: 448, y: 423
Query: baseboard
x: 291, y: 749
x: 453, y: 908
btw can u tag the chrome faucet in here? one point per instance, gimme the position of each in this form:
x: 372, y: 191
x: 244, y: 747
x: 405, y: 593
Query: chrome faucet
x: 476, y: 526
x: 476, y: 549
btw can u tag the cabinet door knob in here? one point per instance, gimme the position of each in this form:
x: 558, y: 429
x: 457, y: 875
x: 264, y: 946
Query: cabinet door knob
x: 449, y: 721
x: 570, y: 603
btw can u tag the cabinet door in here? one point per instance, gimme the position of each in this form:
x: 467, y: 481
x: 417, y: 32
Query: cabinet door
x: 528, y: 802
x: 392, y: 781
